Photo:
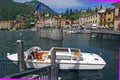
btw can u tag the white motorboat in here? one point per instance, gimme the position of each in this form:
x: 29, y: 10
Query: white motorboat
x: 67, y: 58
x: 73, y: 31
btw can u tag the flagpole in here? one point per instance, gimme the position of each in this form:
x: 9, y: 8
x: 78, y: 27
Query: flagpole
x: 42, y: 16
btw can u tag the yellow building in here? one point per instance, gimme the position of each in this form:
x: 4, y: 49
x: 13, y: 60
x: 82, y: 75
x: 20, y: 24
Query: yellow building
x: 110, y: 18
x: 88, y: 20
x: 102, y: 19
x: 94, y: 18
x: 62, y: 22
x: 7, y: 25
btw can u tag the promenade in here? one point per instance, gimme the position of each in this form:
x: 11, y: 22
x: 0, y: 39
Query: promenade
x: 106, y: 32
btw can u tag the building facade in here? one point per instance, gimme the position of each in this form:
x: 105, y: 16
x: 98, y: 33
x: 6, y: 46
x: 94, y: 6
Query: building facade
x: 110, y: 13
x: 117, y: 16
x: 104, y: 18
x: 90, y: 19
x: 7, y: 25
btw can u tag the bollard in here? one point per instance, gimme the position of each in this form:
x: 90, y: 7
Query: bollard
x: 53, y: 57
x: 53, y: 62
x: 20, y: 52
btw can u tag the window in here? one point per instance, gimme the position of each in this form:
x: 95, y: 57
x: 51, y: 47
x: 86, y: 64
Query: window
x: 109, y: 12
x: 96, y: 59
x: 104, y: 20
x: 60, y: 57
x: 96, y: 15
x: 95, y: 21
x: 108, y: 19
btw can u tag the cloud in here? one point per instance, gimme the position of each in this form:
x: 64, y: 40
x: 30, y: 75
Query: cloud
x: 62, y: 3
x: 58, y: 3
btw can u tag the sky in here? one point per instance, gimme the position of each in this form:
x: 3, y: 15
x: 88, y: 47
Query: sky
x: 60, y: 6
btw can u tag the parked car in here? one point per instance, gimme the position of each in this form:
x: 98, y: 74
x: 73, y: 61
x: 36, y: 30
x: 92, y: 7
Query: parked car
x: 94, y: 26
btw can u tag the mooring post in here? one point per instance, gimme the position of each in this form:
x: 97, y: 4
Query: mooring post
x: 54, y: 72
x: 53, y: 57
x: 20, y: 51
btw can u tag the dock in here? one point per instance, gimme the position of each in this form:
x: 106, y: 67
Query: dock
x: 106, y: 34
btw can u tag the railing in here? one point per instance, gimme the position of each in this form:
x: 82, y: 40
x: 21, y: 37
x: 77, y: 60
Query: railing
x: 7, y: 68
x: 45, y: 73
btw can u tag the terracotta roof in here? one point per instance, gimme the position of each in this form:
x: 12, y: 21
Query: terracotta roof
x: 63, y: 19
x: 10, y: 21
x: 55, y: 17
x: 21, y: 24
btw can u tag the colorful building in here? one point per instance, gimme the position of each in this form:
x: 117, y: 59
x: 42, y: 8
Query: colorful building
x: 63, y: 22
x: 93, y: 18
x: 82, y: 20
x: 117, y: 16
x: 103, y: 19
x: 55, y: 21
x: 110, y: 13
x: 7, y: 25
x: 90, y: 19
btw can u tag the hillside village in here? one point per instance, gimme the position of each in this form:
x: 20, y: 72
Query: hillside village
x: 104, y: 18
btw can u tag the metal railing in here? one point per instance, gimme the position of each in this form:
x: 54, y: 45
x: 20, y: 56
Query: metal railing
x: 45, y: 73
x: 8, y: 67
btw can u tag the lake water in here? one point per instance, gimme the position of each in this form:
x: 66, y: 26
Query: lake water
x: 108, y: 48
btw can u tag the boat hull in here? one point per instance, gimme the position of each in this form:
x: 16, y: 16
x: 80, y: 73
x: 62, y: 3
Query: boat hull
x: 66, y: 58
x: 67, y: 66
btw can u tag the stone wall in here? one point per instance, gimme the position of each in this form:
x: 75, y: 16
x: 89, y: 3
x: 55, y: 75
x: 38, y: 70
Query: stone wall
x: 52, y: 33
x: 107, y: 36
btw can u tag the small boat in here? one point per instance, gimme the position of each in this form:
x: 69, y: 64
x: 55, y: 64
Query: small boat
x: 73, y: 31
x: 67, y: 58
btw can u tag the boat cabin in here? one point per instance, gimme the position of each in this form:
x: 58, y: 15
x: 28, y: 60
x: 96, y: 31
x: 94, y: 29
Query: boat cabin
x: 67, y: 54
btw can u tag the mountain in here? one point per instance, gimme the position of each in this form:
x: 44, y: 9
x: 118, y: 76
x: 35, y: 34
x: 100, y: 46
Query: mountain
x: 9, y: 10
x: 45, y: 9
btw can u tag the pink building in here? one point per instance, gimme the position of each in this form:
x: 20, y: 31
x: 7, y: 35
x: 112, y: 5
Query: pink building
x: 117, y: 16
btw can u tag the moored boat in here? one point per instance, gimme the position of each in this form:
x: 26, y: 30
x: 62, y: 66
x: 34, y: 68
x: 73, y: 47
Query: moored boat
x: 67, y: 58
x: 73, y: 31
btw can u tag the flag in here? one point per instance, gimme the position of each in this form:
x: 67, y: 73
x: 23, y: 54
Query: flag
x: 39, y: 6
x: 36, y: 13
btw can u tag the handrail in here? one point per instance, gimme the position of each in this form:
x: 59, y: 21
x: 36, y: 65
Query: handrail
x: 40, y: 72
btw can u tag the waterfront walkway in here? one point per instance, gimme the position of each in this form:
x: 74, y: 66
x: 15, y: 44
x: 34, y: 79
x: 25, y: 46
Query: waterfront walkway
x: 106, y: 31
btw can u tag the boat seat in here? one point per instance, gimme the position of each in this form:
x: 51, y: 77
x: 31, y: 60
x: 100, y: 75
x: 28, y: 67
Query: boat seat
x: 38, y: 55
x: 76, y: 53
x: 40, y: 59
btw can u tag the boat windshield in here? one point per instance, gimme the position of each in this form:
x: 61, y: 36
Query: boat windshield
x: 66, y: 54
